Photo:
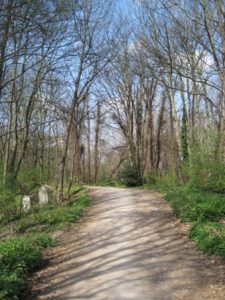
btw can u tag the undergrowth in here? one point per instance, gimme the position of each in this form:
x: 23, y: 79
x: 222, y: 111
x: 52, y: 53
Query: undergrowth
x: 22, y: 253
x: 203, y: 210
x: 19, y: 256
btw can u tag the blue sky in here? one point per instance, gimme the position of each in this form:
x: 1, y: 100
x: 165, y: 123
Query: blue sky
x: 124, y: 5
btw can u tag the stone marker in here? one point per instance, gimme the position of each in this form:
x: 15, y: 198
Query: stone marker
x: 26, y: 203
x: 43, y: 195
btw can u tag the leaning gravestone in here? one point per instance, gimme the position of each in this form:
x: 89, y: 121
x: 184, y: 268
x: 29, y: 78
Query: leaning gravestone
x: 26, y: 203
x: 43, y: 195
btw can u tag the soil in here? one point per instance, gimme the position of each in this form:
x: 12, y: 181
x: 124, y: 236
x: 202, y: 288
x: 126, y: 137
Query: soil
x: 128, y: 246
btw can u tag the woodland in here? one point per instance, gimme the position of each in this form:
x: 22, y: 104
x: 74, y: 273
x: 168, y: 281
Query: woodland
x: 121, y: 93
x: 87, y: 91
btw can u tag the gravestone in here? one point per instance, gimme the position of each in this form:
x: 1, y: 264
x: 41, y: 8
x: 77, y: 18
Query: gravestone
x: 43, y: 195
x: 26, y: 203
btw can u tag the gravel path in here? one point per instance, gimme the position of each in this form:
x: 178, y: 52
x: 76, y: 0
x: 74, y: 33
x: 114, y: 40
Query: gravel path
x: 129, y: 246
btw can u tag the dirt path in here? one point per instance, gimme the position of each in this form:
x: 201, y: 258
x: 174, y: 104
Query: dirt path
x: 129, y: 247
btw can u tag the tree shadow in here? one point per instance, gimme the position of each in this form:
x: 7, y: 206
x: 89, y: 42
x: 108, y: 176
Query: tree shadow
x: 128, y: 248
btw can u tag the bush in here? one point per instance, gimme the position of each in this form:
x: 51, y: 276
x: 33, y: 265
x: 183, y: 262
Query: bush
x: 209, y: 174
x: 104, y: 181
x: 193, y: 205
x: 209, y: 237
x: 152, y: 178
x: 162, y: 184
x: 131, y: 176
x: 19, y: 256
x: 23, y: 253
x: 206, y: 169
x: 11, y: 284
x: 204, y: 210
x: 9, y: 204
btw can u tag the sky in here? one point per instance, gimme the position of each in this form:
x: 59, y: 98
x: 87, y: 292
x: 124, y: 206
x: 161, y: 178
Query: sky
x: 124, y: 5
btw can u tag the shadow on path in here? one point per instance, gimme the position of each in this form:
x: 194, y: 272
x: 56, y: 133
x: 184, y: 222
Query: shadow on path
x: 128, y: 248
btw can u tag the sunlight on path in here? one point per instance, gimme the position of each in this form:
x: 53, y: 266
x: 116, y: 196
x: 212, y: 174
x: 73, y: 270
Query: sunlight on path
x: 129, y: 248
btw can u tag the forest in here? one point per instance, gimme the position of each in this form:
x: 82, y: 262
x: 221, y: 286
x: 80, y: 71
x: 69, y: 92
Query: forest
x: 111, y: 93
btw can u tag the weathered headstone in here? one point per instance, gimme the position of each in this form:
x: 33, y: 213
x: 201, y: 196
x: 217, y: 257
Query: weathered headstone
x: 43, y: 195
x: 26, y: 203
x: 50, y: 190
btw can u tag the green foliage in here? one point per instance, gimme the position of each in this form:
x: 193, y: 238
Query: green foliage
x: 23, y: 253
x: 104, y: 181
x: 131, y: 176
x: 152, y: 178
x: 75, y: 189
x: 201, y: 200
x: 193, y: 205
x: 19, y: 256
x: 207, y: 173
x: 10, y: 193
x: 9, y: 204
x: 165, y: 183
x: 203, y: 209
x: 11, y: 285
x: 115, y: 182
x: 28, y: 179
x: 52, y: 216
x: 209, y: 237
x: 206, y: 168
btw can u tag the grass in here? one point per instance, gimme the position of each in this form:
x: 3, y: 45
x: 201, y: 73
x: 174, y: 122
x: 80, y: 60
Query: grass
x: 21, y: 253
x: 19, y: 256
x: 110, y: 183
x: 196, y: 206
x: 203, y: 210
x: 53, y: 216
x: 209, y: 237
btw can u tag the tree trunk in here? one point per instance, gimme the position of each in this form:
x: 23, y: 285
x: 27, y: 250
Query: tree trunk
x: 96, y: 149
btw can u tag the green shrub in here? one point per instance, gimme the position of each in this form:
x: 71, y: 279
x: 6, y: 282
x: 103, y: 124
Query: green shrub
x: 21, y: 255
x: 212, y: 209
x: 75, y: 189
x: 56, y: 216
x: 11, y: 284
x: 162, y: 184
x: 209, y: 174
x: 104, y: 181
x: 209, y: 237
x: 192, y: 205
x: 206, y: 169
x: 10, y: 204
x: 24, y: 252
x: 131, y: 176
x: 204, y: 210
x: 18, y: 256
x: 152, y: 178
x: 25, y: 223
